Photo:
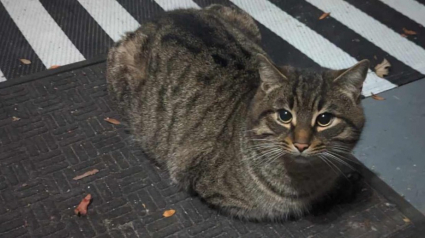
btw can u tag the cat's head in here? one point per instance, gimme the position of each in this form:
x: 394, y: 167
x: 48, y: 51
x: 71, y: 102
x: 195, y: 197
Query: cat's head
x: 305, y: 113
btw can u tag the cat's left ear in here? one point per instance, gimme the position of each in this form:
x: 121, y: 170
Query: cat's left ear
x: 351, y: 80
x: 271, y: 76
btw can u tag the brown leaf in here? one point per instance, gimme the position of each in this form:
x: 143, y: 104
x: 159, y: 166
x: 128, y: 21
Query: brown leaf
x: 376, y: 97
x: 86, y: 174
x: 382, y: 69
x: 169, y: 213
x: 54, y: 66
x: 404, y: 35
x: 25, y: 61
x: 82, y: 207
x: 407, y: 220
x: 367, y: 224
x: 112, y: 121
x: 15, y: 118
x: 409, y: 32
x: 144, y: 206
x: 324, y: 15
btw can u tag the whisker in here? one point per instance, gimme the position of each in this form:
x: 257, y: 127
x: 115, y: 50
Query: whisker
x: 337, y: 168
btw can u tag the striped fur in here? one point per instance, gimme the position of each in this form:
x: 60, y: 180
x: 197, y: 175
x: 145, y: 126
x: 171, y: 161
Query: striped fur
x: 201, y: 98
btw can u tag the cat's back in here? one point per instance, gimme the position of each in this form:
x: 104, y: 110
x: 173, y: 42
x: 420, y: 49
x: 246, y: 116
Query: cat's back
x: 180, y: 78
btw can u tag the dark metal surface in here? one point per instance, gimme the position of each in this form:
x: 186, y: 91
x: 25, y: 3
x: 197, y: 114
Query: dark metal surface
x: 61, y: 133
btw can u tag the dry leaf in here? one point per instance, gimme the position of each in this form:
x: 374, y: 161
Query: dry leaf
x: 409, y: 32
x: 376, y: 97
x: 404, y: 35
x: 113, y: 121
x: 86, y: 174
x: 169, y: 213
x: 54, y: 66
x: 406, y: 219
x: 82, y: 207
x: 367, y: 224
x: 25, y: 61
x: 382, y: 69
x: 324, y: 15
x: 15, y: 118
x: 144, y: 206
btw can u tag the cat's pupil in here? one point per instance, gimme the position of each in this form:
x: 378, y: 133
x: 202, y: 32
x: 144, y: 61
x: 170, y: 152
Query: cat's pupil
x: 324, y: 119
x: 285, y: 116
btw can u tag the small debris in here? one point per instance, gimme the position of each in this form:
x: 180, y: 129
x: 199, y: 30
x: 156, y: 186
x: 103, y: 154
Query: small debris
x: 390, y: 205
x: 367, y: 224
x: 54, y: 66
x: 112, y: 121
x: 407, y: 220
x: 169, y: 213
x: 24, y: 185
x: 324, y: 15
x: 375, y: 57
x: 15, y: 118
x: 86, y: 174
x: 82, y: 207
x: 25, y: 61
x: 373, y: 228
x: 382, y: 69
x: 144, y: 206
x: 25, y: 223
x: 403, y: 35
x: 409, y: 32
x: 376, y: 97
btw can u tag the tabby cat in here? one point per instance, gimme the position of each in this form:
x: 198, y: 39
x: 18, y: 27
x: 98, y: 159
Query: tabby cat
x: 251, y: 138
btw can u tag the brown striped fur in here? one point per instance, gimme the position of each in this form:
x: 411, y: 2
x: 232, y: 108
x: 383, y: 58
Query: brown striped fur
x: 202, y: 98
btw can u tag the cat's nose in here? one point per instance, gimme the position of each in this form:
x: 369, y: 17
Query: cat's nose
x: 301, y: 146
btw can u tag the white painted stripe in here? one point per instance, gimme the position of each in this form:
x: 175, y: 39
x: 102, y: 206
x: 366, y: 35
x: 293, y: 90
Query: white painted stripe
x: 410, y: 8
x: 315, y: 46
x: 43, y: 34
x: 168, y: 5
x: 111, y: 16
x: 2, y: 78
x: 374, y: 31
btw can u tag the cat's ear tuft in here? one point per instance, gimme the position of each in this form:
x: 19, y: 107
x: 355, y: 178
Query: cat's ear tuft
x: 352, y: 79
x: 271, y: 77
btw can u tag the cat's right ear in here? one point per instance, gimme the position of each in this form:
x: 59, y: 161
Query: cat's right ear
x: 271, y: 77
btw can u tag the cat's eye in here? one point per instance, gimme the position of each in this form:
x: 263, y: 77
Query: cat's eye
x: 285, y: 116
x: 324, y: 119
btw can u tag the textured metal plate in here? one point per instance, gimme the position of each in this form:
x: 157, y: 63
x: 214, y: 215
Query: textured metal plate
x: 61, y: 133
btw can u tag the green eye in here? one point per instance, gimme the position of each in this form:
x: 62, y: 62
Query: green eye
x: 285, y: 116
x: 324, y: 119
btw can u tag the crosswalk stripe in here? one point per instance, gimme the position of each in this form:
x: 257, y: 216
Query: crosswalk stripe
x: 2, y: 78
x: 43, y: 34
x: 410, y: 8
x: 142, y: 11
x: 111, y: 16
x: 168, y: 5
x: 307, y: 41
x: 89, y: 38
x: 377, y: 33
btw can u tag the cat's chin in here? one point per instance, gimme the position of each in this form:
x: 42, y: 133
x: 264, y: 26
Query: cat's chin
x: 301, y: 159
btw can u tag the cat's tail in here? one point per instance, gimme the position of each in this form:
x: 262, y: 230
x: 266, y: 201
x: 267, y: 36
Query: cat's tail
x: 238, y: 19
